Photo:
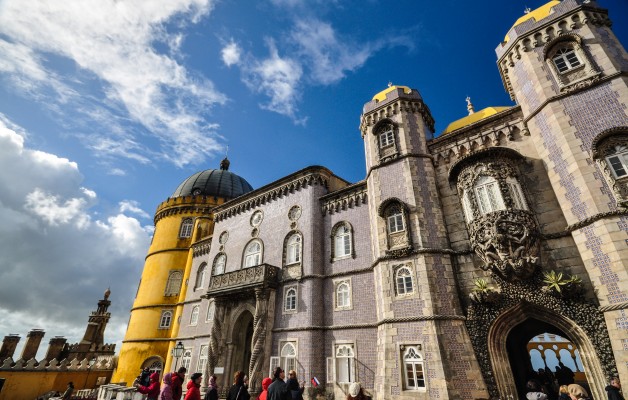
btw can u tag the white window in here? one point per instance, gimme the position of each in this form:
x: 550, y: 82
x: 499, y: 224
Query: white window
x: 414, y: 378
x: 566, y: 59
x: 194, y: 315
x: 517, y: 194
x: 331, y: 373
x: 253, y: 254
x: 274, y: 363
x: 291, y: 299
x: 186, y: 228
x: 200, y: 277
x: 343, y: 294
x: 386, y: 137
x: 345, y: 363
x: 211, y: 310
x: 342, y: 241
x: 186, y: 360
x: 173, y: 285
x: 403, y: 279
x: 487, y: 195
x: 166, y: 319
x: 202, y: 359
x: 289, y: 356
x: 219, y: 264
x: 618, y: 162
x: 395, y: 219
x: 466, y: 206
x: 293, y: 249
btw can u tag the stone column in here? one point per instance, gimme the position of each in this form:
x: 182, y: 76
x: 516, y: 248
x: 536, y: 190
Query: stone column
x: 215, y: 341
x: 9, y: 343
x: 259, y: 339
x: 33, y: 339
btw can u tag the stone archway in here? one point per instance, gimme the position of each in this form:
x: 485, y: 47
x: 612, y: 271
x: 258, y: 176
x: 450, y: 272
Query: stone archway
x: 527, y: 313
x: 241, y: 336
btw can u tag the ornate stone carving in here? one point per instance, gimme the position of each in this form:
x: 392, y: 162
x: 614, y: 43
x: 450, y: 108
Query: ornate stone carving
x: 260, y: 276
x: 507, y: 242
x: 604, y: 145
x: 259, y: 338
x: 213, y: 353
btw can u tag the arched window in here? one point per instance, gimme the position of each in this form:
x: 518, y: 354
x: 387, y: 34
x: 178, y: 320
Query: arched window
x: 194, y: 315
x: 252, y: 254
x: 219, y: 264
x: 345, y: 363
x: 566, y: 59
x: 291, y: 299
x: 394, y: 219
x: 211, y: 310
x: 343, y: 294
x: 386, y: 136
x: 200, y: 277
x: 202, y: 358
x: 488, y: 195
x: 173, y: 285
x: 403, y: 280
x: 516, y: 194
x: 293, y: 249
x: 414, y: 378
x: 186, y: 360
x: 289, y: 356
x: 342, y: 246
x: 166, y: 319
x: 618, y: 161
x: 186, y: 228
x: 153, y: 364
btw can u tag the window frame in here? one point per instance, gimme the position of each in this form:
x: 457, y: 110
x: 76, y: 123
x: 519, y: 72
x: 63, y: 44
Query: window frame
x: 169, y: 291
x: 220, y: 255
x: 201, y: 273
x: 288, y: 363
x: 186, y: 228
x: 563, y: 54
x: 259, y: 255
x: 186, y: 359
x: 194, y: 314
x: 285, y: 299
x: 351, y: 362
x: 211, y: 306
x: 169, y: 314
x: 622, y: 157
x: 404, y: 349
x: 349, y: 294
x: 483, y: 187
x: 201, y: 362
x: 409, y: 277
x: 297, y: 246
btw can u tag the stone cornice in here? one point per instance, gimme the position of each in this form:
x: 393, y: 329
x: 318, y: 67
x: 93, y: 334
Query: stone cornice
x: 584, y: 223
x: 202, y: 247
x: 349, y: 197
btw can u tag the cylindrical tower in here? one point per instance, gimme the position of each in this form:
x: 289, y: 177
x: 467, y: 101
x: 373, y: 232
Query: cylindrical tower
x: 180, y: 221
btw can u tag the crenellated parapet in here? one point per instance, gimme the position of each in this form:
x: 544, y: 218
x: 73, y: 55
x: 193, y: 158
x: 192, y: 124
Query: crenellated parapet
x: 398, y: 100
x: 102, y: 363
x: 201, y: 205
x: 349, y: 197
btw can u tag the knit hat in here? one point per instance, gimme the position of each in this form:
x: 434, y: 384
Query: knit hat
x: 196, y: 375
x: 354, y: 389
x: 577, y: 391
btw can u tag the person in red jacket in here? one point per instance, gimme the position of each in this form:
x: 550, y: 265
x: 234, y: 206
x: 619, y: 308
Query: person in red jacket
x: 265, y: 384
x: 194, y: 384
x: 151, y: 391
x: 177, y: 383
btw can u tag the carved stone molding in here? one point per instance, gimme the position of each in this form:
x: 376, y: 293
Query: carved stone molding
x: 507, y: 242
x: 605, y: 145
x: 243, y: 280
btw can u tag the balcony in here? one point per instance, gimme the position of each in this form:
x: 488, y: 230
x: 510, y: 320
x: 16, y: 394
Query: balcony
x: 244, y: 281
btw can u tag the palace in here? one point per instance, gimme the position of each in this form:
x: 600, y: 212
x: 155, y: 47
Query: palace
x: 458, y: 264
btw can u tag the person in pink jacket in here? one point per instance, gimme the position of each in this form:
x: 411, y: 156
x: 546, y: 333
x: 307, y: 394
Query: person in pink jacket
x: 151, y: 391
x: 166, y: 390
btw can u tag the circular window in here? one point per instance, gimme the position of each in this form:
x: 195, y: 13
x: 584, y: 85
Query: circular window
x: 257, y: 218
x: 223, y: 237
x: 294, y: 213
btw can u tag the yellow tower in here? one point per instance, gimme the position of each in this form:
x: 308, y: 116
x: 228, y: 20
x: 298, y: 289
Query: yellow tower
x: 182, y: 220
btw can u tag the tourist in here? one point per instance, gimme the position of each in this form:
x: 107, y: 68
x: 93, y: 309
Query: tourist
x: 563, y: 393
x: 278, y: 390
x: 564, y: 374
x: 614, y: 390
x: 212, y: 389
x: 534, y: 392
x: 577, y: 392
x: 356, y: 392
x: 194, y: 392
x: 177, y: 383
x: 166, y: 389
x: 239, y: 391
x: 294, y: 388
x: 144, y: 378
x: 265, y: 384
x: 152, y: 390
x: 68, y: 392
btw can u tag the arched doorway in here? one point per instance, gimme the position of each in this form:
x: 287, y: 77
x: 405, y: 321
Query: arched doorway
x: 241, y: 338
x: 508, y: 338
x: 535, y: 349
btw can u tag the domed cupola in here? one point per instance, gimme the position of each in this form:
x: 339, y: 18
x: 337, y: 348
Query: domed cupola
x: 214, y: 182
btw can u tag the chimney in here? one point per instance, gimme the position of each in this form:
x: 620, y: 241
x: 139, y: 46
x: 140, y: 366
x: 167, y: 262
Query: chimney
x: 9, y: 343
x: 32, y: 344
x: 55, y: 348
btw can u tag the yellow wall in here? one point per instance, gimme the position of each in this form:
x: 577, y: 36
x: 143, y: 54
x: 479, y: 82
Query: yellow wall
x: 167, y: 252
x: 27, y: 385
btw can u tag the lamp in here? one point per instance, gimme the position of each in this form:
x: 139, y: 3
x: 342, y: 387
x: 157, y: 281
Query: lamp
x: 177, y: 351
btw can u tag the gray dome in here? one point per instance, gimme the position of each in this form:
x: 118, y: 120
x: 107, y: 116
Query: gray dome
x: 214, y: 182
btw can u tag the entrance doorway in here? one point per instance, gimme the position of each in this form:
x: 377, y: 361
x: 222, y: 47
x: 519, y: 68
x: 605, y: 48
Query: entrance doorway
x: 539, y: 350
x: 241, y: 339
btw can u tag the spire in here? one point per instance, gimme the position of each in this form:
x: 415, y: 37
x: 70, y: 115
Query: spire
x: 469, y: 105
x: 224, y: 164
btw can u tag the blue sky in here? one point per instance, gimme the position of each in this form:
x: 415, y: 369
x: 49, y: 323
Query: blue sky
x: 106, y: 106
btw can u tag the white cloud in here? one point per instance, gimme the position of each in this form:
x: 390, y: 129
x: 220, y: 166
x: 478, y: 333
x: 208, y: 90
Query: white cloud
x: 57, y: 257
x: 115, y: 42
x: 231, y: 53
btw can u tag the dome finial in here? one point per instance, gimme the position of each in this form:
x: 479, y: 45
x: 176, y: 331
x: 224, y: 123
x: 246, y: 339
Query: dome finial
x: 390, y: 84
x: 469, y: 105
x: 224, y: 164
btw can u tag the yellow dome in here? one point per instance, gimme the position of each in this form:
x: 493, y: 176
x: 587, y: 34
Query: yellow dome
x: 538, y: 14
x: 473, y: 118
x: 382, y: 95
